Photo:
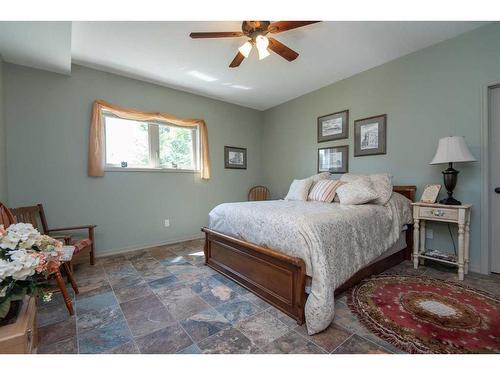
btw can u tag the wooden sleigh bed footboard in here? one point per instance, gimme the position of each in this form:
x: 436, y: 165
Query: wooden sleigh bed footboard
x: 278, y: 278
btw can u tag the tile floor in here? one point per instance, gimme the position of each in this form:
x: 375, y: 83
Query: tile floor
x: 164, y: 300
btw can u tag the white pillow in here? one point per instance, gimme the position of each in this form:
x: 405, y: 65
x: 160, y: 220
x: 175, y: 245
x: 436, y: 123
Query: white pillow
x: 356, y: 192
x: 381, y: 183
x: 299, y: 189
x: 320, y: 176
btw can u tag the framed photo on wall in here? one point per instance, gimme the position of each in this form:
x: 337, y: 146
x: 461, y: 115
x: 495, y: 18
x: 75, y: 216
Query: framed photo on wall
x: 333, y: 159
x: 370, y: 136
x: 235, y: 157
x: 333, y: 126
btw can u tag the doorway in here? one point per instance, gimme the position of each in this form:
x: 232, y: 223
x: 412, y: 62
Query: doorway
x: 494, y: 176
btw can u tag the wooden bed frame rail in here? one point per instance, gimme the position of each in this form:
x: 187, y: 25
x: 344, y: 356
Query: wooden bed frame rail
x: 278, y: 278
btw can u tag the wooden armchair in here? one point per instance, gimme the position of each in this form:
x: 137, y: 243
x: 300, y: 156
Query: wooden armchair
x: 7, y: 218
x: 259, y: 193
x: 36, y: 216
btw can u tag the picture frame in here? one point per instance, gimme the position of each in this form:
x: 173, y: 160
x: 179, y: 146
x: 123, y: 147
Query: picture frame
x: 235, y: 157
x: 430, y: 193
x: 333, y: 159
x: 333, y: 126
x: 370, y: 136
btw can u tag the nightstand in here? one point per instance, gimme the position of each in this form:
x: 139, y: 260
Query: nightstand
x: 460, y: 215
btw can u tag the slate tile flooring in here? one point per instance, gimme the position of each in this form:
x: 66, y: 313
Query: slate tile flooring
x: 165, y: 300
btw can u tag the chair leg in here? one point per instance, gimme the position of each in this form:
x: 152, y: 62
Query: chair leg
x: 71, y: 279
x: 64, y: 291
x: 92, y: 260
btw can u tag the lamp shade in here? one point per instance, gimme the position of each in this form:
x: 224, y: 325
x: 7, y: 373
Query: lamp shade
x: 452, y: 150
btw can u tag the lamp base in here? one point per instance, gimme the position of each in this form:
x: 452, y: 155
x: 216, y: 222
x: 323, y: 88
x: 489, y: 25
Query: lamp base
x: 450, y: 181
x: 450, y: 201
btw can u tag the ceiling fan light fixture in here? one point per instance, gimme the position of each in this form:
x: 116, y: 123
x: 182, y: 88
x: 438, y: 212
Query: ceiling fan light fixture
x: 256, y: 33
x: 245, y: 49
x: 263, y: 53
x: 262, y: 43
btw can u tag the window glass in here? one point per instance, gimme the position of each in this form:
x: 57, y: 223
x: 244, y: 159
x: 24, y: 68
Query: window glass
x: 176, y: 147
x: 127, y: 141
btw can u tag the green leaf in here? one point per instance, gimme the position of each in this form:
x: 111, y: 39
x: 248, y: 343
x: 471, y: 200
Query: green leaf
x: 4, y: 308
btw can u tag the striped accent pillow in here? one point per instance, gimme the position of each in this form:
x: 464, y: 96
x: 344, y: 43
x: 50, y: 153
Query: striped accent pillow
x: 324, y: 190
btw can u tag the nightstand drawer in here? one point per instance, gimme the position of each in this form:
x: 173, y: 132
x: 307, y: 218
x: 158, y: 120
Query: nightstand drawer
x: 438, y: 213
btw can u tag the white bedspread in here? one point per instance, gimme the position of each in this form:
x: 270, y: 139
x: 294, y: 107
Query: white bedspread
x: 335, y: 241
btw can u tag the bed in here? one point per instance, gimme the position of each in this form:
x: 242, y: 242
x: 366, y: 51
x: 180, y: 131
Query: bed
x: 276, y: 248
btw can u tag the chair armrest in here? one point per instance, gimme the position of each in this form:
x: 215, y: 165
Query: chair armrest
x: 72, y: 228
x: 66, y: 239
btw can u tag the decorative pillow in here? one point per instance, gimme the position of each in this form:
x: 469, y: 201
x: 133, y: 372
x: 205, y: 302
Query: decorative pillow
x: 381, y: 183
x: 356, y: 192
x: 299, y: 189
x: 324, y: 190
x: 320, y: 176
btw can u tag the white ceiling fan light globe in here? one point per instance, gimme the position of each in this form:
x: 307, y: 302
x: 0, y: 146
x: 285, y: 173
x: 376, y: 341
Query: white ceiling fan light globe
x: 262, y: 43
x: 245, y: 49
x: 263, y: 53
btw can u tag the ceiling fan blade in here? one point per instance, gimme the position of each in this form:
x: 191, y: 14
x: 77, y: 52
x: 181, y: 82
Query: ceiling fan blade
x: 221, y: 34
x: 237, y: 60
x: 280, y: 26
x: 282, y: 50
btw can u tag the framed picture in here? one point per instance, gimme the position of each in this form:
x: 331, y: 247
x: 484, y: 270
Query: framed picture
x: 235, y: 157
x: 333, y: 159
x: 430, y: 193
x: 370, y: 136
x: 333, y: 126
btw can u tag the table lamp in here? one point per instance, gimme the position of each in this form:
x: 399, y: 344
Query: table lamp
x: 451, y: 150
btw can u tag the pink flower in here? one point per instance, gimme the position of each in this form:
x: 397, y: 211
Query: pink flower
x: 2, y: 230
x: 42, y: 262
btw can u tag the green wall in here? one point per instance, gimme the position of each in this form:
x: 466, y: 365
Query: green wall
x: 48, y: 117
x: 3, y: 143
x: 427, y: 95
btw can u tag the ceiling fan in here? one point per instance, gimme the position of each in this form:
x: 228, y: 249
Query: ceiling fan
x: 256, y: 32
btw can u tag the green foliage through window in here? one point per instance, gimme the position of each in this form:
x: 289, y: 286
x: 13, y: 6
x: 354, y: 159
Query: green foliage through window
x: 176, y: 147
x: 136, y: 144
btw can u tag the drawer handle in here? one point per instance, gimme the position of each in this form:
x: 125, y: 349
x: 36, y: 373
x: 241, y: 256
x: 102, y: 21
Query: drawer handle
x: 437, y: 212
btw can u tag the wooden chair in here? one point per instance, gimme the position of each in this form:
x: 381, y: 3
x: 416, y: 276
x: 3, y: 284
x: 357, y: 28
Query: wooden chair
x: 36, y: 216
x: 7, y: 218
x: 259, y: 193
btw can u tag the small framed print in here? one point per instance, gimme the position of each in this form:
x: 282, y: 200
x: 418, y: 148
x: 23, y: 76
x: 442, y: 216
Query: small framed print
x: 235, y: 157
x: 333, y: 126
x: 370, y: 136
x: 333, y: 159
x: 430, y: 193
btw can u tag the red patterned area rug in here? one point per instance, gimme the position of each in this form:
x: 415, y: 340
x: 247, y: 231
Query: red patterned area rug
x: 420, y: 314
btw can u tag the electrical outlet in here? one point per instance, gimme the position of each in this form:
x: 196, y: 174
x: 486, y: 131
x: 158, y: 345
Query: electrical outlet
x: 166, y: 223
x: 429, y: 234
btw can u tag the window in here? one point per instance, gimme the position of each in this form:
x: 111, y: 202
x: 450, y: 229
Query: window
x: 150, y: 145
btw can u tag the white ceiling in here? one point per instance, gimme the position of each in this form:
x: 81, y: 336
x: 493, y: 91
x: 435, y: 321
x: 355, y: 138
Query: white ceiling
x: 163, y: 53
x: 42, y: 45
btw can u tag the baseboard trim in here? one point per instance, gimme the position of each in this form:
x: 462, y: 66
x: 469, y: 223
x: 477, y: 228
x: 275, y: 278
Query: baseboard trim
x: 123, y: 250
x: 475, y: 268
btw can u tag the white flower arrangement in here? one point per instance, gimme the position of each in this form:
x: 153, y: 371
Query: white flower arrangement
x: 24, y: 253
